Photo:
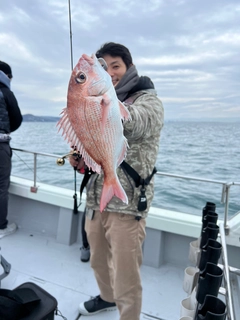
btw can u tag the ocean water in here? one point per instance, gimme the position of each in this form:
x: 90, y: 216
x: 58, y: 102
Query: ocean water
x: 194, y: 149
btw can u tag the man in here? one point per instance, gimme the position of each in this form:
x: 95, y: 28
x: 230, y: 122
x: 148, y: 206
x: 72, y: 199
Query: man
x: 116, y: 235
x: 10, y: 120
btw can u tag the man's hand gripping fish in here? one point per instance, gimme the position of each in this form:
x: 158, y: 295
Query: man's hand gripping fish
x: 92, y: 121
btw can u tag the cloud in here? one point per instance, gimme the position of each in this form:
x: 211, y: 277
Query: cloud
x: 189, y: 48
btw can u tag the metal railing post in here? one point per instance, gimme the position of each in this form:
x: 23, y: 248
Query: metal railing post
x: 225, y: 200
x: 34, y: 187
x: 229, y: 300
x: 226, y: 209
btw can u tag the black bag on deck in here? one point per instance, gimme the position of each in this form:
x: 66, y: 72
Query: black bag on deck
x: 27, y: 302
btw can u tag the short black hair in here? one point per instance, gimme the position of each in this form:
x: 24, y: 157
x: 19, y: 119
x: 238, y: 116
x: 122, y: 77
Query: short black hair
x: 115, y: 50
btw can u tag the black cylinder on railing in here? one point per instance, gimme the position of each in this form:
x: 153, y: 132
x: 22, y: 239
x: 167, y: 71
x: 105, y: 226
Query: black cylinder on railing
x: 209, y: 282
x: 210, y: 217
x: 212, y: 309
x: 211, y: 231
x: 210, y: 206
x: 211, y: 252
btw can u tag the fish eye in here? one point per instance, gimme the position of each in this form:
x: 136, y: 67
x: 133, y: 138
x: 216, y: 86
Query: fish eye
x: 80, y: 77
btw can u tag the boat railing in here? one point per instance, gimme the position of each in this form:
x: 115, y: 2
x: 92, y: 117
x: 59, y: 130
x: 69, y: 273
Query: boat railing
x: 225, y: 191
x: 225, y: 185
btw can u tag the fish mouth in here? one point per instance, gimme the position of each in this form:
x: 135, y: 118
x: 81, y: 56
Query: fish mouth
x: 89, y: 60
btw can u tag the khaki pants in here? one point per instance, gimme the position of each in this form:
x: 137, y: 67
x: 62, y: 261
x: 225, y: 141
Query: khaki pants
x: 116, y: 255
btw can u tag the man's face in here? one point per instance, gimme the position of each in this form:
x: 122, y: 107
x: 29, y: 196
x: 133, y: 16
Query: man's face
x: 116, y: 68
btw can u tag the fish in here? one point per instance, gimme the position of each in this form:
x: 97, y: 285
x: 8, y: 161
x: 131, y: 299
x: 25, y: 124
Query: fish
x: 92, y: 122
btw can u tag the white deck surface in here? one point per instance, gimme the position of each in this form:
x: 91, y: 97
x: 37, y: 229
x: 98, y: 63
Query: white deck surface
x: 57, y: 269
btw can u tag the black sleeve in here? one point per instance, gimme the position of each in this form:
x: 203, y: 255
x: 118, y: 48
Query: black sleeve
x: 14, y: 113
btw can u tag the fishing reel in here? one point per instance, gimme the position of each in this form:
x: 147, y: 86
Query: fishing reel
x: 61, y: 161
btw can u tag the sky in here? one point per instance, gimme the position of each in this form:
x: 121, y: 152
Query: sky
x: 189, y: 48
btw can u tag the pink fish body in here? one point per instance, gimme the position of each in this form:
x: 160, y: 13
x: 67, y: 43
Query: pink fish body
x: 92, y: 121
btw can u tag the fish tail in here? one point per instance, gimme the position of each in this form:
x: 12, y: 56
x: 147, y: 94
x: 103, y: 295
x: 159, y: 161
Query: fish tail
x: 110, y: 190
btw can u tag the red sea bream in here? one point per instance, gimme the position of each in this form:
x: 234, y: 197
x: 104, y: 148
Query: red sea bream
x: 92, y: 121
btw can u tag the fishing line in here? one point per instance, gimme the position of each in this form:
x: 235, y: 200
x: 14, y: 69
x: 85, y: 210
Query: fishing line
x: 26, y: 164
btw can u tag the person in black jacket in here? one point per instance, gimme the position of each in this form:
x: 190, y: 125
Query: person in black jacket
x: 10, y: 120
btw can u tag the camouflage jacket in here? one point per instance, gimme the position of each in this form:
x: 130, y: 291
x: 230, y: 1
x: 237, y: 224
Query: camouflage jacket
x: 143, y: 135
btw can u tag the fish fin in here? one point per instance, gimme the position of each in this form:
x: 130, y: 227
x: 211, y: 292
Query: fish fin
x: 105, y: 103
x: 69, y: 134
x: 112, y: 189
x: 125, y: 114
x: 123, y: 152
x: 90, y: 162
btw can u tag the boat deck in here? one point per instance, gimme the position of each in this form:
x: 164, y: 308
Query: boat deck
x: 57, y: 269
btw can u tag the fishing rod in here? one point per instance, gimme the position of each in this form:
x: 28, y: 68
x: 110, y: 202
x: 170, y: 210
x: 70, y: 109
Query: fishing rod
x: 75, y: 207
x: 70, y: 32
x: 61, y: 161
